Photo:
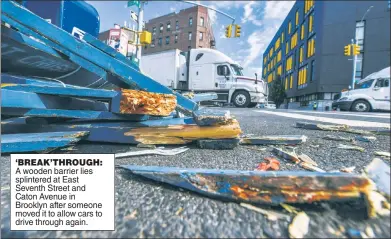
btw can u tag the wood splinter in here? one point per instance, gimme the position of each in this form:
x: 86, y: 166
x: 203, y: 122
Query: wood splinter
x: 142, y: 102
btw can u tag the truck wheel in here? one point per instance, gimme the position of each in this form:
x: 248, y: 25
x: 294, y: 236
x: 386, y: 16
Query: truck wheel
x: 361, y: 106
x: 252, y: 105
x: 241, y: 99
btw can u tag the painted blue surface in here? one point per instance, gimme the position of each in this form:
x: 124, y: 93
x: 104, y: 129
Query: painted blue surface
x: 67, y: 14
x: 111, y: 132
x: 11, y: 99
x: 127, y: 76
x: 12, y: 79
x: 12, y: 143
x: 19, y: 57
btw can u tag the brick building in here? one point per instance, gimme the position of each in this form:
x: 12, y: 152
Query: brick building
x: 190, y: 28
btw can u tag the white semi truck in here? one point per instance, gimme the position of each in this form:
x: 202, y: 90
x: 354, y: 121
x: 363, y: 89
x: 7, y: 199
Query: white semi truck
x: 205, y: 70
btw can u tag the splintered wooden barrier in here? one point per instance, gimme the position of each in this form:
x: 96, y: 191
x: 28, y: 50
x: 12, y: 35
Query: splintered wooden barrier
x: 142, y: 102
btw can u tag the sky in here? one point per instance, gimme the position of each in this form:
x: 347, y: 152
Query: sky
x: 259, y: 20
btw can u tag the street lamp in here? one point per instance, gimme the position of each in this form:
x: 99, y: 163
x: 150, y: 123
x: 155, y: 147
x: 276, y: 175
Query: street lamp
x: 354, y: 41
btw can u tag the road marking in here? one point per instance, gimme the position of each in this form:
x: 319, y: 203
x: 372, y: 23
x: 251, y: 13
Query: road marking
x: 384, y: 116
x: 357, y: 123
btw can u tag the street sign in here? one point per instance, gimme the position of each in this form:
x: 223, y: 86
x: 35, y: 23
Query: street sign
x: 134, y: 2
x: 134, y: 16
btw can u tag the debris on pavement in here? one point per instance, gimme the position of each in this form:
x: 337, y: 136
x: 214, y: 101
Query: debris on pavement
x: 383, y: 154
x: 274, y: 140
x: 339, y: 128
x: 367, y: 139
x: 311, y: 167
x: 379, y: 172
x: 348, y: 169
x: 167, y: 152
x: 146, y: 146
x: 350, y: 147
x: 131, y: 216
x: 338, y: 138
x: 299, y: 226
x: 273, y: 164
x: 271, y: 215
x: 289, y: 208
x: 369, y: 232
x: 305, y: 158
x: 217, y: 144
x: 355, y: 233
x: 211, y: 117
x: 179, y: 211
x: 260, y: 187
x: 289, y: 156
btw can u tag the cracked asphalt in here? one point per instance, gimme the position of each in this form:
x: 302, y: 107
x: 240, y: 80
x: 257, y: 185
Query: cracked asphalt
x: 145, y: 208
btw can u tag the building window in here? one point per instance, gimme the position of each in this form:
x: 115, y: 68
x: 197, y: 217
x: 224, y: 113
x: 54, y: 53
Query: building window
x: 286, y: 83
x: 308, y: 5
x: 301, y: 54
x: 289, y: 63
x: 289, y: 27
x: 153, y: 43
x: 312, y: 71
x: 160, y: 41
x: 279, y: 54
x: 302, y: 31
x: 302, y: 77
x: 282, y: 37
x: 190, y: 35
x: 167, y: 40
x: 286, y: 48
x: 291, y: 83
x: 310, y: 47
x: 202, y: 21
x: 311, y: 24
x: 294, y: 41
x: 169, y: 26
x: 297, y: 18
x: 154, y: 30
x: 176, y: 38
x: 190, y: 21
x: 360, y: 31
x: 201, y: 36
x: 277, y: 44
x: 279, y: 70
x: 177, y: 25
x: 161, y: 28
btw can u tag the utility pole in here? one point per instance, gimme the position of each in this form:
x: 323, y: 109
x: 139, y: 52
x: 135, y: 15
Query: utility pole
x: 140, y: 29
x: 355, y: 41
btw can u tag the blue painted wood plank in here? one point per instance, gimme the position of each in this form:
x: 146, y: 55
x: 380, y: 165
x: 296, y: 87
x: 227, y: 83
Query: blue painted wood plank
x: 11, y: 99
x: 110, y: 132
x: 23, y: 34
x: 13, y: 143
x: 109, y: 50
x: 72, y: 114
x: 12, y: 79
x: 257, y: 186
x: 126, y: 75
x: 64, y: 91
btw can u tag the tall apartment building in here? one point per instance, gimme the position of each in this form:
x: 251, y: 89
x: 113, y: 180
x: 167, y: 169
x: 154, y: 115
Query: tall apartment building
x: 190, y: 28
x: 308, y: 50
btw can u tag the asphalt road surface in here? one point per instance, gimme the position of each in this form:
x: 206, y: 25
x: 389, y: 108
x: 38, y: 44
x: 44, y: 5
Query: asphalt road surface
x: 157, y: 205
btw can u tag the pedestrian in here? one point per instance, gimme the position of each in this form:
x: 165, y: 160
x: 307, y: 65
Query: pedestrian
x: 315, y: 106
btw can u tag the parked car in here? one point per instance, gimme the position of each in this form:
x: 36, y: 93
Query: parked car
x: 370, y: 93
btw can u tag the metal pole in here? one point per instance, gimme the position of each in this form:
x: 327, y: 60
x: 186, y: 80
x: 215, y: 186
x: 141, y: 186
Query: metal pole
x: 139, y: 29
x: 354, y: 64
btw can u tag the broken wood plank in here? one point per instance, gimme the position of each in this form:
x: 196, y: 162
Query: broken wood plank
x: 324, y: 127
x: 305, y: 158
x: 208, y: 117
x: 289, y: 156
x: 182, y: 134
x: 338, y: 138
x: 142, y: 102
x: 17, y: 143
x: 260, y: 187
x: 219, y: 144
x: 311, y: 167
x: 274, y: 140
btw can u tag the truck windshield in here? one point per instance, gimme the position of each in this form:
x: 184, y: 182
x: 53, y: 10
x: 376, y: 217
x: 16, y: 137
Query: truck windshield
x: 237, y: 70
x: 364, y: 85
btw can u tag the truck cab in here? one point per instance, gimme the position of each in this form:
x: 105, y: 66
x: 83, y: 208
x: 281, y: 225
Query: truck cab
x: 370, y: 93
x: 212, y: 71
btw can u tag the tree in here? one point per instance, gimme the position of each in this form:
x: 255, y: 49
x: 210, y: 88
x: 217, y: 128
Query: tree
x: 277, y: 91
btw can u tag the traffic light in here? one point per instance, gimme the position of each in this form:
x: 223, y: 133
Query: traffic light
x: 347, y: 50
x: 356, y: 49
x: 237, y: 30
x: 228, y: 31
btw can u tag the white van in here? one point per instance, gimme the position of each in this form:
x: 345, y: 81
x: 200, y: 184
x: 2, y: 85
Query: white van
x: 370, y: 93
